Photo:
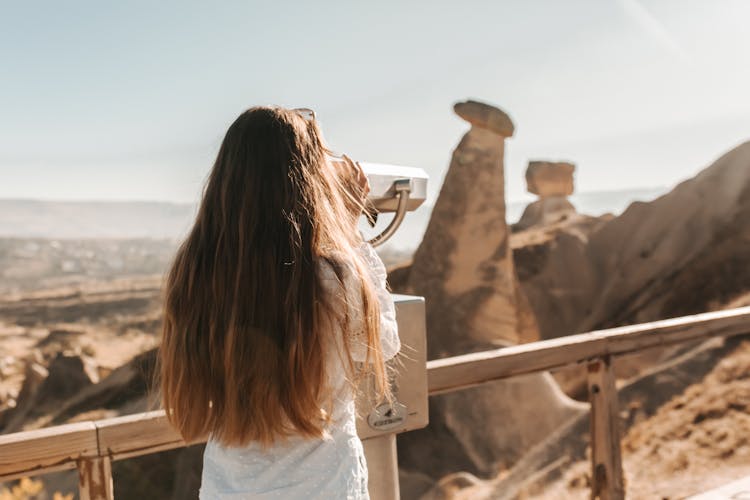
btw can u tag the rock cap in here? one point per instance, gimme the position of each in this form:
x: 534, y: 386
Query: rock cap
x: 485, y: 116
x: 550, y: 178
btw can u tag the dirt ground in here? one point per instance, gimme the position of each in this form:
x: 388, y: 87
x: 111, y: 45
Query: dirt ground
x: 104, y: 323
x: 696, y: 442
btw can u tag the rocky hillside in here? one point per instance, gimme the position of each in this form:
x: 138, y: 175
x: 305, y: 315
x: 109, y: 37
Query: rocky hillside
x: 697, y: 441
x: 58, y: 342
x: 684, y: 253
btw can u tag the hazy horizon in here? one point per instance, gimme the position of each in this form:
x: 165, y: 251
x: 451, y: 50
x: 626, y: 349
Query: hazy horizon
x: 74, y: 220
x: 526, y: 198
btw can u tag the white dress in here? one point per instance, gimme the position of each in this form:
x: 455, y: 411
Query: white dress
x: 300, y: 468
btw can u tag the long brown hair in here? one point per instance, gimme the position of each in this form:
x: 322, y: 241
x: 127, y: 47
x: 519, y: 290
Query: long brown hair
x: 243, y: 350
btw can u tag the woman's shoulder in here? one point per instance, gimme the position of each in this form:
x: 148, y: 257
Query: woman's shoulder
x: 331, y: 264
x: 338, y: 265
x: 335, y: 270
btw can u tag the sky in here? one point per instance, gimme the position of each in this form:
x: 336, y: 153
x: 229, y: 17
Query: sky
x: 129, y: 100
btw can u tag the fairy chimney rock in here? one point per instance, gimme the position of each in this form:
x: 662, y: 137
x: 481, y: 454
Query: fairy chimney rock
x: 485, y: 116
x: 547, y: 178
x: 464, y: 265
x: 464, y: 269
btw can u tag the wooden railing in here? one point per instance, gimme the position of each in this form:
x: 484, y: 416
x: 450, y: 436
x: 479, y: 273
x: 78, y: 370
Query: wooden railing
x: 91, y: 446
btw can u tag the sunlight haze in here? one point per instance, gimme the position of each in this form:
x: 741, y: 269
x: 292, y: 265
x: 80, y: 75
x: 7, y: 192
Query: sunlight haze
x: 129, y: 100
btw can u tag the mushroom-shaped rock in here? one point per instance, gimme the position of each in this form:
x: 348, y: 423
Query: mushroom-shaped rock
x: 485, y: 116
x: 547, y: 178
x: 464, y: 266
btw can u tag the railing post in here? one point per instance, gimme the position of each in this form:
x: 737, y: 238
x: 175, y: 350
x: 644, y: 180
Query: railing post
x: 606, y: 463
x: 95, y: 478
x: 382, y: 465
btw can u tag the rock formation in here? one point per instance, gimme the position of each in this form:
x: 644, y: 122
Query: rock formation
x: 464, y: 269
x: 680, y: 254
x: 553, y: 183
x: 549, y: 179
x: 45, y: 389
x: 690, y: 246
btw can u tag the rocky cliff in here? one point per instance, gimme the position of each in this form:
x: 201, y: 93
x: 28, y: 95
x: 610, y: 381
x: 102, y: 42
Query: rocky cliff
x: 684, y: 253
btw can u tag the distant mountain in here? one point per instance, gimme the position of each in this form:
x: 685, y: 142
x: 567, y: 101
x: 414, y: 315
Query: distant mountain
x: 93, y: 219
x: 21, y: 218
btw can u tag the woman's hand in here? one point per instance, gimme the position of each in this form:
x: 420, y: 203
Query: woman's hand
x: 358, y: 178
x: 355, y: 183
x: 353, y: 180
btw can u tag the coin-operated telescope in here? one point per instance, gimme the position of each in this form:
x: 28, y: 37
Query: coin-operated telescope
x: 395, y: 189
x: 398, y: 190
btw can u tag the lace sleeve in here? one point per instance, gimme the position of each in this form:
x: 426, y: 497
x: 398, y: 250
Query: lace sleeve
x: 348, y: 291
x: 389, y: 339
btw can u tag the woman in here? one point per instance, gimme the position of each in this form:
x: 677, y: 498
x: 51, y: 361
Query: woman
x: 275, y: 309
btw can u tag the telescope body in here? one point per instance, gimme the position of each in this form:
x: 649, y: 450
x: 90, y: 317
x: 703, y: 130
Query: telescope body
x: 383, y: 178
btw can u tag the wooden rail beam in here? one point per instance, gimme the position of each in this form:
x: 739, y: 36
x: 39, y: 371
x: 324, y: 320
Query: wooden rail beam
x: 46, y: 450
x: 136, y: 435
x: 468, y: 370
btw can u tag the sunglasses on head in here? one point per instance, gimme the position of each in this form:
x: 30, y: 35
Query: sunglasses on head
x: 306, y: 113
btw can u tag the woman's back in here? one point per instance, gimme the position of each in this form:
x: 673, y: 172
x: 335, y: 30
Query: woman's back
x: 300, y: 467
x: 273, y: 309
